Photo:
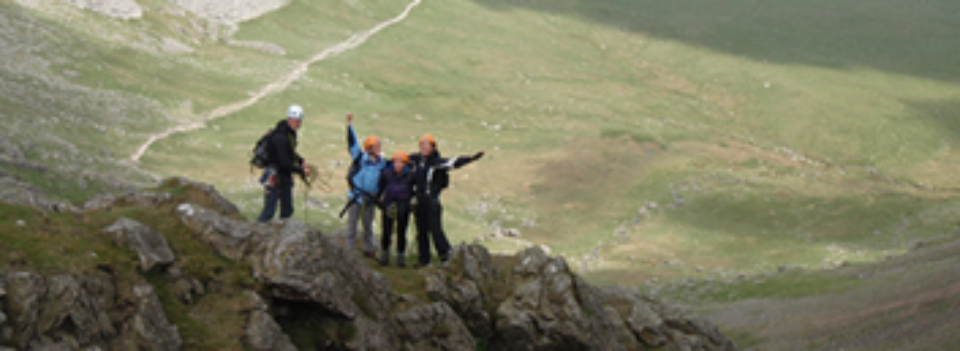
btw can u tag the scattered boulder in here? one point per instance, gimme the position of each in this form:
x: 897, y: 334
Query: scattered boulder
x: 231, y: 238
x: 151, y: 246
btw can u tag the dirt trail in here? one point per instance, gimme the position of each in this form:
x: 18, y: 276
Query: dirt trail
x: 278, y: 85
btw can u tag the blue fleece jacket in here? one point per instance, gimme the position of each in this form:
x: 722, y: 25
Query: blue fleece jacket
x: 367, y: 179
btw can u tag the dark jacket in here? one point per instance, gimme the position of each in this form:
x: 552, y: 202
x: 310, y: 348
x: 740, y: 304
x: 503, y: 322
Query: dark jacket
x: 430, y: 173
x: 284, y: 156
x: 396, y: 187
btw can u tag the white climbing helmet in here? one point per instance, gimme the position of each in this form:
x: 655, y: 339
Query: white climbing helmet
x: 295, y: 112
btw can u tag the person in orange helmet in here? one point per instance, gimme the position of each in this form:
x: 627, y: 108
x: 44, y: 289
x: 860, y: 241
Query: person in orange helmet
x: 364, y: 180
x: 429, y: 179
x: 396, y: 190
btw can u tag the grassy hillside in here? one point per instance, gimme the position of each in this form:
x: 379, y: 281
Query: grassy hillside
x: 797, y: 163
x: 648, y: 141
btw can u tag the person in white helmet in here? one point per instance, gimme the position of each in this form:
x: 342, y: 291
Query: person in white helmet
x: 285, y: 161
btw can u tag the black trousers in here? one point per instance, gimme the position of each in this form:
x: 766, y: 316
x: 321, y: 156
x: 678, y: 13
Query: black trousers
x: 400, y: 217
x: 429, y: 226
x: 283, y: 193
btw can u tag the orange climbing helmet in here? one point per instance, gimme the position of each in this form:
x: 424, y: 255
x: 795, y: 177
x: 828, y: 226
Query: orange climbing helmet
x: 428, y: 137
x: 401, y: 156
x: 370, y: 142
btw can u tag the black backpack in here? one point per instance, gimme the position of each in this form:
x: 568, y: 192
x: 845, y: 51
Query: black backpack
x: 262, y: 151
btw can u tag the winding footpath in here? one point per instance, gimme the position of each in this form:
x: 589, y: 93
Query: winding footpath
x: 278, y: 85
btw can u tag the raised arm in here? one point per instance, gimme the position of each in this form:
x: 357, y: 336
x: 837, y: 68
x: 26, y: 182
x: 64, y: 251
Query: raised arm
x: 352, y: 144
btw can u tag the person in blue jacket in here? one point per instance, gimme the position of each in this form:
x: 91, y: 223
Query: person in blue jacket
x: 364, y: 179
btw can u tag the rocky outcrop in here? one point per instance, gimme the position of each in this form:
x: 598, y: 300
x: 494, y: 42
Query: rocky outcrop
x: 81, y: 311
x: 15, y: 191
x: 263, y: 333
x: 434, y: 326
x: 153, y: 198
x: 540, y: 304
x: 60, y: 311
x: 150, y: 246
x: 233, y: 239
x: 136, y: 198
x: 306, y: 280
x: 150, y: 322
x: 298, y: 264
x: 221, y: 204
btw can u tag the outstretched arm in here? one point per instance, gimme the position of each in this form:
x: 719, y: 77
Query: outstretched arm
x: 461, y: 161
x: 352, y: 145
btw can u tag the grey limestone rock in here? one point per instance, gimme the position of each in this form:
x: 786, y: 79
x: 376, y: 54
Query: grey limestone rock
x: 434, y: 326
x: 263, y: 332
x: 151, y: 246
x: 150, y: 322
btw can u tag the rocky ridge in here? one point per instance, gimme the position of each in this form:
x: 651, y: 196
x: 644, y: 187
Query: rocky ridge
x: 527, y: 301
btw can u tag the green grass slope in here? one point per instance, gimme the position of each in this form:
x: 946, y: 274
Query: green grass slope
x: 796, y: 163
x: 647, y: 141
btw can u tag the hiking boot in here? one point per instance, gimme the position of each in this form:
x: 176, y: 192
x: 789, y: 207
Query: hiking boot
x: 385, y: 259
x: 401, y: 261
x: 370, y: 254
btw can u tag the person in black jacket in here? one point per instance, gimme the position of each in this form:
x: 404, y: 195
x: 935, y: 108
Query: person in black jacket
x: 284, y: 162
x: 396, y: 190
x: 429, y: 179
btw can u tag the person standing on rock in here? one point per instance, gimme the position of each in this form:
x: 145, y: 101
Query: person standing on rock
x: 364, y: 179
x: 429, y: 179
x: 284, y: 162
x: 396, y: 190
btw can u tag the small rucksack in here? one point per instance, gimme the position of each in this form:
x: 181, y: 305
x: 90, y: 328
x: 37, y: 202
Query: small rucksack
x: 262, y: 151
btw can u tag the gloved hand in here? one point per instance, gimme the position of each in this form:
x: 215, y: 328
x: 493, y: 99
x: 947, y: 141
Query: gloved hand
x: 478, y: 155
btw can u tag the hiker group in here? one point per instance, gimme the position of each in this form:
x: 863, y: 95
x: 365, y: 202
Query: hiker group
x: 400, y: 187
